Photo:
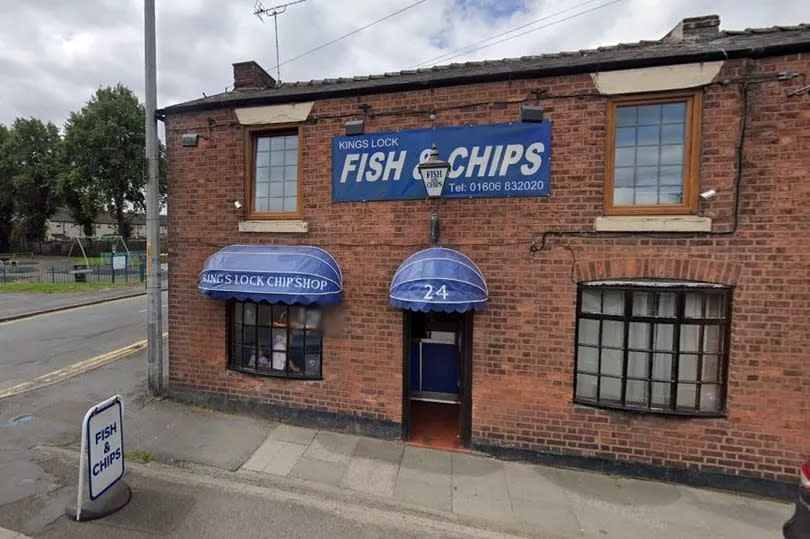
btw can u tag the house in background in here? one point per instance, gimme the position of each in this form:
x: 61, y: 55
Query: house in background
x: 62, y: 225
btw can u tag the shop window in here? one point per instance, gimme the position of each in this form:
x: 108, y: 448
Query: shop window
x: 273, y: 189
x: 653, y: 155
x: 660, y: 349
x: 275, y: 340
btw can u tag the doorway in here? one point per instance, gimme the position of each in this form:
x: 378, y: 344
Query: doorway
x: 437, y: 379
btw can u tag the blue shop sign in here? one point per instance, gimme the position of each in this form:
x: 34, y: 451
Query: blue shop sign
x: 503, y: 160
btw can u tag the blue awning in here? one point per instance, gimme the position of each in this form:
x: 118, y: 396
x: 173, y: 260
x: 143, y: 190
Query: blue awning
x: 439, y: 279
x: 275, y: 274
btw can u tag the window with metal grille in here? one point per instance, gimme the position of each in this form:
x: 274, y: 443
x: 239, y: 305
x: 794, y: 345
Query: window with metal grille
x: 653, y: 346
x: 275, y: 340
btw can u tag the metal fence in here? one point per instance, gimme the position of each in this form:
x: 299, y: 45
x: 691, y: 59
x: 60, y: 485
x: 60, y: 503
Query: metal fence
x: 92, y: 246
x: 70, y: 273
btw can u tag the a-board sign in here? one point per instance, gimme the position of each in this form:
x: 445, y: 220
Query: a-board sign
x: 104, y: 438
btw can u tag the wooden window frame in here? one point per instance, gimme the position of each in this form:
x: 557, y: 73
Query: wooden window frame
x: 251, y: 136
x: 691, y: 165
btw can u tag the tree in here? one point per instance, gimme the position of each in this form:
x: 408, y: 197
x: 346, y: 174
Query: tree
x: 104, y: 157
x: 81, y: 197
x: 31, y: 157
x: 6, y: 192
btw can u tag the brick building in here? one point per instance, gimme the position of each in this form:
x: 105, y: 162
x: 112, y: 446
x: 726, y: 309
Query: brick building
x: 647, y: 297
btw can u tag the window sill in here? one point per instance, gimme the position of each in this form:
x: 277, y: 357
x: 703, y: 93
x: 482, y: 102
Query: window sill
x: 286, y: 226
x: 270, y: 374
x: 674, y: 223
x: 650, y: 411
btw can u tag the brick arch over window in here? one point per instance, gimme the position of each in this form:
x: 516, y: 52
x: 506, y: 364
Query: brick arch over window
x: 710, y: 271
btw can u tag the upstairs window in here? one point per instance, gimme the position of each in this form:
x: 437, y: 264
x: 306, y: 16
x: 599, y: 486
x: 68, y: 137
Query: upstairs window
x: 653, y: 348
x: 652, y: 154
x: 272, y: 186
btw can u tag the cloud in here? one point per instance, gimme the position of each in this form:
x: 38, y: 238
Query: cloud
x: 54, y: 55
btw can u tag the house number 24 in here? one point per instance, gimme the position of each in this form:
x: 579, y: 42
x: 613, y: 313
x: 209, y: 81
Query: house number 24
x: 441, y: 291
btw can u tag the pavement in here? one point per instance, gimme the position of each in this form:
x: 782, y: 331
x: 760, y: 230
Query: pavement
x: 448, y: 486
x: 522, y: 498
x: 15, y: 305
x: 171, y: 502
x: 8, y: 534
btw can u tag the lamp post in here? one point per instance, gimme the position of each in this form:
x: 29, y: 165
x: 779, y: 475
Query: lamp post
x: 434, y: 173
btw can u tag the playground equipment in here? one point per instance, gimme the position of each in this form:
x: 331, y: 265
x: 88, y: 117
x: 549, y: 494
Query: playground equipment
x: 117, y: 261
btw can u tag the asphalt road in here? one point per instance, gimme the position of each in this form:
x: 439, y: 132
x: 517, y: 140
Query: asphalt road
x: 39, y: 345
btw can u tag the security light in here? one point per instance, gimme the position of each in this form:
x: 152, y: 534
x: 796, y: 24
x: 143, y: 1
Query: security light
x: 190, y: 140
x: 237, y: 204
x: 355, y: 127
x: 708, y: 195
x: 531, y: 113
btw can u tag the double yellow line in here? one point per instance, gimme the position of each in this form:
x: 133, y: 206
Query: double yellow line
x: 59, y: 375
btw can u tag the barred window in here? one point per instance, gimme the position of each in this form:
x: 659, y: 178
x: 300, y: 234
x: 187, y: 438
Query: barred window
x: 276, y: 340
x: 653, y: 346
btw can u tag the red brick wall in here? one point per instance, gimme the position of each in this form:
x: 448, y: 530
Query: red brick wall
x: 523, y: 355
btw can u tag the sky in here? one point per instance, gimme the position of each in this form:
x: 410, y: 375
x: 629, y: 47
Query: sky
x: 54, y: 55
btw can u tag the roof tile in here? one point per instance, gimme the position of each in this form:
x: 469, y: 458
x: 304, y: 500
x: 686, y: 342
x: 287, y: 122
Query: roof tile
x: 727, y: 43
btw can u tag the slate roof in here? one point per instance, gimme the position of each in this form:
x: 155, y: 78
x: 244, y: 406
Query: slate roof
x: 751, y: 42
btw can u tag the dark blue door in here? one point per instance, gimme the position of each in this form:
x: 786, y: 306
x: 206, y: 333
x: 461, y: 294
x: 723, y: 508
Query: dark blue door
x: 440, y: 368
x: 435, y: 370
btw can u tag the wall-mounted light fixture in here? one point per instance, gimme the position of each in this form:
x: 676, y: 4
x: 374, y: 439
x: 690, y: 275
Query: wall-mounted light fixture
x: 237, y: 204
x: 355, y: 127
x: 434, y: 171
x: 531, y: 113
x: 190, y: 140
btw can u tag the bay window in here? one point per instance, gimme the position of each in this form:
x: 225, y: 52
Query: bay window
x: 653, y: 346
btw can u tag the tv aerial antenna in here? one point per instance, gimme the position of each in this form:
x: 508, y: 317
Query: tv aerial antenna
x: 274, y: 11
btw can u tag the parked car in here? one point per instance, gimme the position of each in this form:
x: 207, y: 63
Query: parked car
x: 798, y: 527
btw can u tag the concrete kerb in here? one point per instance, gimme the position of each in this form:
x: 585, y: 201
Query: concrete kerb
x: 300, y: 490
x: 72, y: 306
x: 8, y: 534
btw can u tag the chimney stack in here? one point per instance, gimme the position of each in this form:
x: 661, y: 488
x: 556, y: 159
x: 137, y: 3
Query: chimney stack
x: 251, y: 76
x: 694, y: 29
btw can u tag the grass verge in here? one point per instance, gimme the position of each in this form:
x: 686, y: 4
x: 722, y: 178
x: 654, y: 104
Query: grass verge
x: 58, y: 287
x: 140, y: 456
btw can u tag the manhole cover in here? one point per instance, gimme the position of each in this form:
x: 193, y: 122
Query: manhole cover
x: 21, y: 420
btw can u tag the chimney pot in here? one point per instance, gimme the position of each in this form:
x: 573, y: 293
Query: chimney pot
x: 251, y: 76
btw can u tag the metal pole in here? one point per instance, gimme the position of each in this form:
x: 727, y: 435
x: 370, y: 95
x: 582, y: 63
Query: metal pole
x: 153, y: 277
x: 278, y: 64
